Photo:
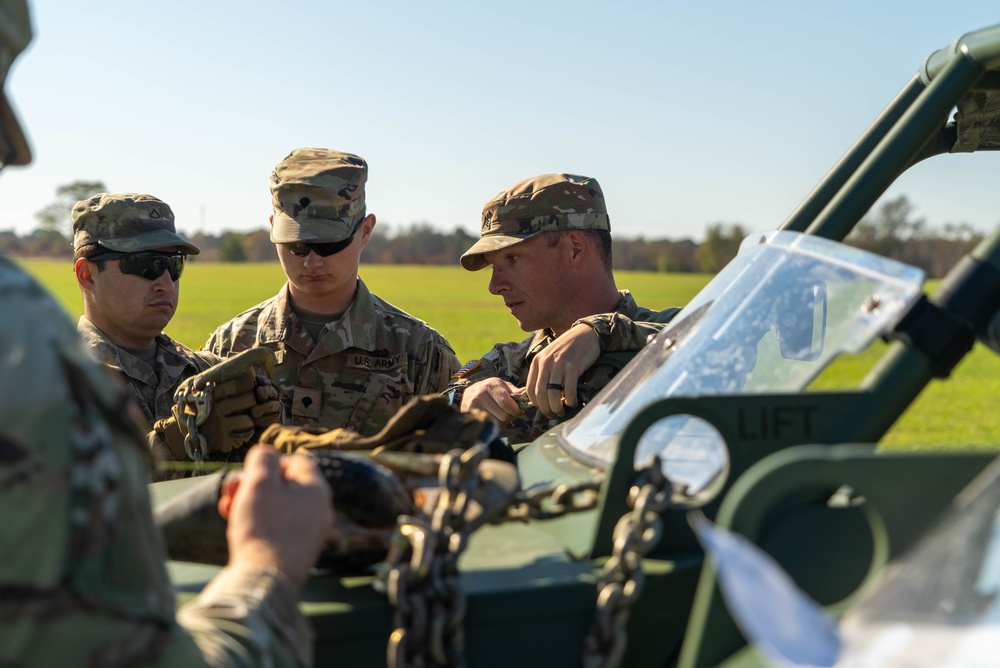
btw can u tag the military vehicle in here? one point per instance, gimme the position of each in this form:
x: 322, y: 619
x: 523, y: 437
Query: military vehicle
x: 589, y: 556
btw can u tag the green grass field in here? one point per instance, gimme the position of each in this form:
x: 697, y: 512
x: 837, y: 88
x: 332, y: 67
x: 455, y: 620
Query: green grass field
x: 458, y: 304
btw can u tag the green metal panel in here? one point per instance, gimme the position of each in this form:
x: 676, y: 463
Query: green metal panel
x: 901, y: 494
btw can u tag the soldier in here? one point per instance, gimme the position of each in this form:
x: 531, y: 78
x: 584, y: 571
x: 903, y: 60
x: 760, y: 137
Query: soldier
x: 128, y: 260
x: 345, y: 358
x: 548, y: 241
x: 82, y: 577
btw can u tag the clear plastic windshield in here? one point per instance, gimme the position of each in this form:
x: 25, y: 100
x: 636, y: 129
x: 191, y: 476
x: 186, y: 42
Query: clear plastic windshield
x: 769, y: 322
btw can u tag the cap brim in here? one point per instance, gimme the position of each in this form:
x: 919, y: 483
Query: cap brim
x: 473, y: 259
x: 14, y: 148
x: 152, y: 240
x: 287, y: 230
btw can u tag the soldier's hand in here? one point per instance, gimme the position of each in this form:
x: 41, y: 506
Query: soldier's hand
x: 556, y: 370
x: 229, y: 424
x: 281, y: 515
x: 495, y: 397
x: 268, y: 408
x: 169, y: 435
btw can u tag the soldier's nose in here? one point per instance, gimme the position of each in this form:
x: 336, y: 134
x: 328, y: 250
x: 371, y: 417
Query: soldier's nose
x: 497, y: 283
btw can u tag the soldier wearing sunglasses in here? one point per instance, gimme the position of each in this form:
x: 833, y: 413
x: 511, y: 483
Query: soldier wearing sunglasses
x: 345, y: 358
x: 83, y: 580
x: 128, y: 262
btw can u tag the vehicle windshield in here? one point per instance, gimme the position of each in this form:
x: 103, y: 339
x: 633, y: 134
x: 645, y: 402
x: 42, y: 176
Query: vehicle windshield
x: 769, y: 322
x: 940, y: 606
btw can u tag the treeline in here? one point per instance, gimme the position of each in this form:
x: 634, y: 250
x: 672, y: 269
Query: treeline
x: 890, y: 230
x: 420, y: 243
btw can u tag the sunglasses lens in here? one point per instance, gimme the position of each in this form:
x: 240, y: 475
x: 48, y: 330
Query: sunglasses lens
x: 152, y: 265
x: 302, y: 248
x: 297, y: 249
x: 326, y: 250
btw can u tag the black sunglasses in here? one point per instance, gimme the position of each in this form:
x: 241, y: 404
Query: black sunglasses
x: 148, y: 264
x: 302, y: 248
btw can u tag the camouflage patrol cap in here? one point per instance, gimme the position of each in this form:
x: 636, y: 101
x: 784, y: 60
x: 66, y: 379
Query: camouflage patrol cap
x: 15, y: 33
x: 126, y: 222
x: 539, y: 204
x: 318, y: 195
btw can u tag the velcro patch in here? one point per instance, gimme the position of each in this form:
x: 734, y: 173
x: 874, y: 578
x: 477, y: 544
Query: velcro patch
x: 468, y: 368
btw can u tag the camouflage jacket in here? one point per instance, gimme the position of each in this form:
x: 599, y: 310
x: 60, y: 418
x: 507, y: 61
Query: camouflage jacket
x: 153, y: 388
x: 83, y: 580
x: 624, y: 330
x: 364, y: 367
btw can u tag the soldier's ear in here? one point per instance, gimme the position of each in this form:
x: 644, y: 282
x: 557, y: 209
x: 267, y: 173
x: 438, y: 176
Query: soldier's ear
x: 84, y: 275
x: 270, y: 220
x: 577, y: 243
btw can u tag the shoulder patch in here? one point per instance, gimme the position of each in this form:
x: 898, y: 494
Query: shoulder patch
x: 466, y: 369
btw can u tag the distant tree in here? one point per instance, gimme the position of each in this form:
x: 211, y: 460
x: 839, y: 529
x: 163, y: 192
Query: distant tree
x: 720, y: 246
x: 456, y: 244
x: 374, y: 252
x: 55, y: 217
x: 887, y: 230
x: 259, y: 247
x: 231, y: 249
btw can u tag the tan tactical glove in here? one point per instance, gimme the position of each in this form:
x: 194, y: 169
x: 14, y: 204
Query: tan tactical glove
x: 229, y: 423
x: 167, y: 440
x: 223, y: 406
x: 267, y: 410
x: 427, y: 424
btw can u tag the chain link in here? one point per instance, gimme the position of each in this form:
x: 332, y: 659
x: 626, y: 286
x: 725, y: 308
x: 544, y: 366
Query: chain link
x: 423, y: 582
x: 425, y: 588
x: 551, y: 501
x: 622, y: 578
x: 195, y: 406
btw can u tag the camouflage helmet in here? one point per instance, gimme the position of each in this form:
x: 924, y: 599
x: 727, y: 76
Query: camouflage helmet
x: 126, y: 222
x: 15, y: 34
x: 318, y: 195
x: 539, y: 204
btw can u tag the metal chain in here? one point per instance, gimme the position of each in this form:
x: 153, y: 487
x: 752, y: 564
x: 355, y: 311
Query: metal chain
x: 195, y: 406
x: 622, y: 579
x: 425, y: 588
x: 423, y: 582
x: 551, y: 501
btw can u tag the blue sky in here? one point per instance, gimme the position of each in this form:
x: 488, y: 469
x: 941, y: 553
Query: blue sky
x: 688, y: 113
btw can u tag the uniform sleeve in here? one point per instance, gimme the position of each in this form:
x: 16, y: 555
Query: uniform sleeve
x: 259, y: 611
x: 83, y: 580
x: 441, y: 363
x: 494, y: 364
x: 617, y: 333
x: 218, y: 342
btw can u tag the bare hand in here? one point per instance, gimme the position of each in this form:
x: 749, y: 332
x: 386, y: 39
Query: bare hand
x: 494, y: 396
x: 556, y: 370
x: 282, y: 514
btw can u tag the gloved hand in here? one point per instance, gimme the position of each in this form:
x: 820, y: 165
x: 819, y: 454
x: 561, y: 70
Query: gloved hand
x: 229, y: 423
x: 267, y: 410
x: 167, y: 440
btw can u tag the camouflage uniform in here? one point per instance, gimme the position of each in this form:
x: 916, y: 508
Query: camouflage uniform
x: 551, y: 203
x: 153, y: 388
x: 120, y: 225
x: 130, y: 223
x: 82, y: 575
x: 621, y: 331
x: 374, y: 358
x: 364, y: 367
x: 82, y: 578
